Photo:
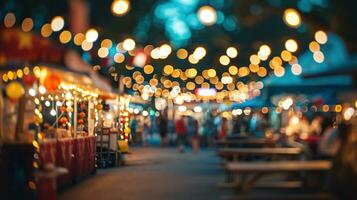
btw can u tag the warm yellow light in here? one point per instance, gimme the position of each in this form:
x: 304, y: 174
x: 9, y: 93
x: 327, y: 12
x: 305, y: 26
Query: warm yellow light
x: 319, y: 56
x: 205, y: 85
x: 168, y: 69
x: 9, y: 20
x: 191, y: 73
x: 292, y: 17
x: 182, y: 54
x: 129, y: 44
x: 10, y: 75
x: 233, y: 70
x: 314, y: 46
x: 5, y: 78
x: 275, y: 62
x: 27, y: 24
x: 86, y: 46
x: 254, y: 59
x: 211, y: 73
x: 78, y: 39
x: 279, y: 71
x: 106, y: 43
x: 148, y: 69
x: 190, y: 85
x: 264, y: 51
x: 19, y: 73
x: 199, y: 53
x: 46, y: 30
x: 296, y: 69
x: 338, y: 108
x: 205, y: 74
x: 192, y: 59
x: 120, y: 7
x: 65, y: 37
x: 214, y: 80
x: 91, y: 35
x: 207, y: 15
x: 57, y: 23
x: 321, y: 37
x: 243, y: 71
x: 176, y: 73
x: 119, y: 58
x: 199, y: 79
x: 219, y: 85
x: 232, y: 52
x: 262, y: 72
x: 103, y: 52
x: 286, y: 55
x: 224, y: 60
x: 254, y: 68
x: 291, y: 45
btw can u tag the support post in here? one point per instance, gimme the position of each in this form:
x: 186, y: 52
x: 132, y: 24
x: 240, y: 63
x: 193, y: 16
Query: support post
x: 75, y: 110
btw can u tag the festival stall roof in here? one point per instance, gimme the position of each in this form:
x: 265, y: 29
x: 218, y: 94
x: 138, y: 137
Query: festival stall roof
x: 348, y: 67
x: 335, y: 52
x: 256, y: 102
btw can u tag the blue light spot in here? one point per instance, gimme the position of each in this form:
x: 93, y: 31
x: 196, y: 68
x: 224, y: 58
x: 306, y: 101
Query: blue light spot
x: 304, y: 5
x: 230, y: 23
x: 220, y: 17
x: 177, y: 29
x: 194, y: 23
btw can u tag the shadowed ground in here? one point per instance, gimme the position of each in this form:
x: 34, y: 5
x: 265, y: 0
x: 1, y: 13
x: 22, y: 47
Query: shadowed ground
x: 155, y: 173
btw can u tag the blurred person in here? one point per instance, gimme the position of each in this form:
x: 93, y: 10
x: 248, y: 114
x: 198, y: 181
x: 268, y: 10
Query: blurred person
x: 181, y: 132
x: 133, y: 128
x: 146, y: 131
x: 343, y: 177
x: 316, y: 125
x: 329, y: 142
x: 163, y: 129
x: 192, y: 130
x: 223, y: 129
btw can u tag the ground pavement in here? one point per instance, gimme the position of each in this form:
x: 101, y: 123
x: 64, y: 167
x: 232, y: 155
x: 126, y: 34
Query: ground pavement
x: 154, y: 173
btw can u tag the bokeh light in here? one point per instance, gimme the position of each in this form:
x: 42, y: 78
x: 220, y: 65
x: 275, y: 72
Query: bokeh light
x: 57, y: 23
x: 291, y: 45
x: 321, y: 37
x: 232, y: 52
x: 92, y: 35
x: 292, y: 17
x: 207, y: 15
x: 120, y: 7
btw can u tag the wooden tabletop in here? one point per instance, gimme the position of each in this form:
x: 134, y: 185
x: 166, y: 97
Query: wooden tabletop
x: 246, y: 141
x: 259, y: 151
x: 278, y: 166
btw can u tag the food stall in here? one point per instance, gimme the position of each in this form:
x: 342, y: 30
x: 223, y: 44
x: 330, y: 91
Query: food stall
x: 48, y: 116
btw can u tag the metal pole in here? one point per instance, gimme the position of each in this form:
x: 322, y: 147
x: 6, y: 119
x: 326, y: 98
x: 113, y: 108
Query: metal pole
x: 75, y: 115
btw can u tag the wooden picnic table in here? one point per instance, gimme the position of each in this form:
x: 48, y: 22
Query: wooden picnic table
x: 247, y: 142
x: 235, y: 153
x: 259, y: 169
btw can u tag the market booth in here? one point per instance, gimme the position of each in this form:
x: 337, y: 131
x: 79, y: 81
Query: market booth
x: 48, y: 116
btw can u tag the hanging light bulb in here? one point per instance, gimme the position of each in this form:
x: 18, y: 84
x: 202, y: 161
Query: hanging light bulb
x: 53, y: 112
x: 207, y: 15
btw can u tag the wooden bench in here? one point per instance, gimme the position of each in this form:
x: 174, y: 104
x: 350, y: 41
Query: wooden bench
x: 258, y: 169
x: 249, y: 142
x: 235, y: 153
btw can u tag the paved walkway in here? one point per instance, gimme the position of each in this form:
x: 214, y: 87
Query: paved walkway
x: 154, y: 173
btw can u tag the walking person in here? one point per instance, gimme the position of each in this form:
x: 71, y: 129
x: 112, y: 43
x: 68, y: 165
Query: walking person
x: 181, y: 132
x: 163, y: 129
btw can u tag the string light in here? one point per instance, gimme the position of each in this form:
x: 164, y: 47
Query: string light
x: 120, y: 7
x: 207, y: 15
x: 292, y: 17
x: 91, y: 35
x: 57, y: 23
